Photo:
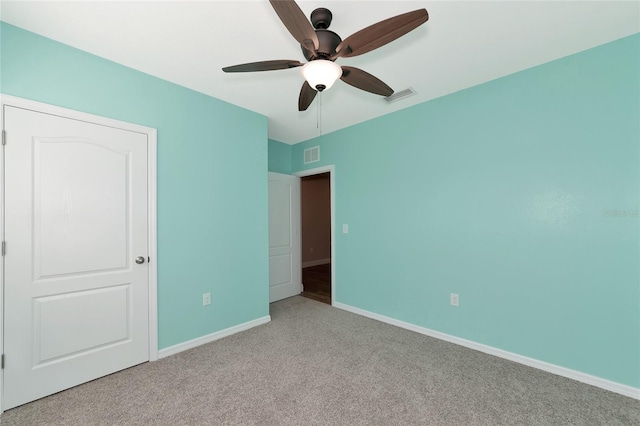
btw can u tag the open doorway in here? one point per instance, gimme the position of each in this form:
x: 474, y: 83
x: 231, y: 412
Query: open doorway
x: 315, y: 215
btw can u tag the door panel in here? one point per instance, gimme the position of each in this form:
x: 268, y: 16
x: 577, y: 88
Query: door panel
x: 66, y: 209
x: 284, y: 236
x: 280, y: 269
x: 76, y: 217
x: 280, y: 198
x: 58, y: 333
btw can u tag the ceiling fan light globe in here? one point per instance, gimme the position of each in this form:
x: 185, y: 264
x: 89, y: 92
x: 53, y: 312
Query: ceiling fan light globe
x: 321, y: 73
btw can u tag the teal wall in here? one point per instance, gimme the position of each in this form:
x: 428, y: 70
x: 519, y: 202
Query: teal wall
x: 279, y: 157
x: 212, y: 187
x: 503, y: 193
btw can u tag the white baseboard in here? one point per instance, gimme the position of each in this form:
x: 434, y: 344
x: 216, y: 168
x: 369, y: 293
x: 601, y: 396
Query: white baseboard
x: 172, y: 350
x: 531, y: 362
x: 315, y: 262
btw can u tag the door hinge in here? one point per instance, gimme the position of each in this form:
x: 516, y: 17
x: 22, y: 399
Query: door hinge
x: 4, y: 137
x: 148, y: 259
x: 4, y: 248
x: 2, y: 361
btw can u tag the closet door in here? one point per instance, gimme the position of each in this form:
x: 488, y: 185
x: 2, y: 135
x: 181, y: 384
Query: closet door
x: 76, y: 274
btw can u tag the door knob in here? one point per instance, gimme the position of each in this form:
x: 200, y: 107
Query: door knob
x: 139, y: 260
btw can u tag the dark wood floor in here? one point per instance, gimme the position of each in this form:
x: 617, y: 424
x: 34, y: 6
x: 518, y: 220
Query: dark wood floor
x: 316, y: 281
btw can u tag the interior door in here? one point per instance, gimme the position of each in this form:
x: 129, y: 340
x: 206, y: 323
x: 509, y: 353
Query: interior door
x: 284, y: 236
x: 76, y: 275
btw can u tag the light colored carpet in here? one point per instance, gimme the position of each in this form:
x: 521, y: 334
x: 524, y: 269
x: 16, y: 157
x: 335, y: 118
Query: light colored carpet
x: 318, y: 365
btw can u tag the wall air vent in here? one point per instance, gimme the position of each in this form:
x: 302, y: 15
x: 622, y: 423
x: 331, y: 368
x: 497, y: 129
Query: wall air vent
x: 399, y: 95
x: 312, y: 155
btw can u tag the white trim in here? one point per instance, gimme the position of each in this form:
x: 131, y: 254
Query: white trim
x: 190, y: 344
x: 152, y: 196
x: 316, y: 262
x: 531, y: 362
x: 151, y: 203
x: 332, y: 179
x: 2, y: 237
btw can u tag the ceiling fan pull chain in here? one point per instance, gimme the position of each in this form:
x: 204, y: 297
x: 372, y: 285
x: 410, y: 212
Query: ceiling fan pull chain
x: 320, y: 112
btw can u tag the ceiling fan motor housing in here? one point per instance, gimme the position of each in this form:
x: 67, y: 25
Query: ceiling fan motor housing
x: 327, y: 43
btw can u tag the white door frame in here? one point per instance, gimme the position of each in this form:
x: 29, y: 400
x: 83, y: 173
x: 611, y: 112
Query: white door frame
x: 151, y: 206
x: 332, y: 171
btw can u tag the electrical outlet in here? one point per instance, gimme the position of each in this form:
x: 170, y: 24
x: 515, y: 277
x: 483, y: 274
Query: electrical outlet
x: 345, y: 228
x: 454, y: 299
x: 206, y: 299
x: 310, y: 249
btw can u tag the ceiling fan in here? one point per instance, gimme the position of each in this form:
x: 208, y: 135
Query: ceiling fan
x: 322, y: 47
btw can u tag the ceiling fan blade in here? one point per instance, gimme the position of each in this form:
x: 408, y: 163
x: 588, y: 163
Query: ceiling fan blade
x: 379, y: 34
x: 307, y: 95
x: 297, y: 23
x: 365, y: 81
x: 263, y: 66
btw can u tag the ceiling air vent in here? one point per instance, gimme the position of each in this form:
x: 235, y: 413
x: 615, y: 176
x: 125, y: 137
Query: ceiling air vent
x: 399, y: 95
x: 311, y: 155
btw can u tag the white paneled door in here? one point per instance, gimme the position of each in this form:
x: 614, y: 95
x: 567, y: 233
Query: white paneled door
x: 76, y: 274
x: 284, y: 236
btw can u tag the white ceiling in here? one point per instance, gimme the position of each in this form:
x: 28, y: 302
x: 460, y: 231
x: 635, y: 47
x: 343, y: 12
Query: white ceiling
x: 463, y: 44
